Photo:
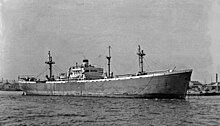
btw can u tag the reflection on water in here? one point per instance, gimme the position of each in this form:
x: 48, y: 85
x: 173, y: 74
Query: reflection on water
x: 16, y: 109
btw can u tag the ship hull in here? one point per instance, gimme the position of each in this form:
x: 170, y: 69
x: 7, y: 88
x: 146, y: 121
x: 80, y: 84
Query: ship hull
x: 158, y: 85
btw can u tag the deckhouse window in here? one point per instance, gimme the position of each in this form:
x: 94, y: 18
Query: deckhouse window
x: 93, y: 70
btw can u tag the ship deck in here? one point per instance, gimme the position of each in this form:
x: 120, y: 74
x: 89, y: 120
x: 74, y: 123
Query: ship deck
x: 130, y: 76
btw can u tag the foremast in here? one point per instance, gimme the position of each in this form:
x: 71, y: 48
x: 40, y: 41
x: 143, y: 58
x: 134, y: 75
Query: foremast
x: 141, y: 55
x: 50, y: 63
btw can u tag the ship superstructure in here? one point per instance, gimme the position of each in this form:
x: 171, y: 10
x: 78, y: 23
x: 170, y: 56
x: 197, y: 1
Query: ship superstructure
x: 85, y: 72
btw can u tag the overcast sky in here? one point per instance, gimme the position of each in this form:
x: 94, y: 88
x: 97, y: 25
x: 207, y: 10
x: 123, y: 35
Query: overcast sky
x: 182, y: 34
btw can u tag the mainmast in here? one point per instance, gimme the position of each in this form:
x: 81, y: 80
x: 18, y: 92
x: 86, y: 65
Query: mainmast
x: 109, y: 61
x: 141, y: 55
x: 217, y: 82
x: 50, y: 63
x: 139, y: 59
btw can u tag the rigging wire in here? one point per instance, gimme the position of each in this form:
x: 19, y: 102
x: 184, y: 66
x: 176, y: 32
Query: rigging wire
x: 115, y: 69
x: 55, y: 66
x: 156, y: 64
x: 147, y: 64
x: 45, y: 69
x: 56, y: 69
x: 145, y: 61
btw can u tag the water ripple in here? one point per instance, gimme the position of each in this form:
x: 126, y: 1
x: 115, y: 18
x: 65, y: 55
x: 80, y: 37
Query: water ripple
x: 16, y: 109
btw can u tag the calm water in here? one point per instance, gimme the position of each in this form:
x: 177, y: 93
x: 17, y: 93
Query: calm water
x: 16, y: 109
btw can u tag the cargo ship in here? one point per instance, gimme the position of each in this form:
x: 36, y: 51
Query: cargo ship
x: 87, y: 80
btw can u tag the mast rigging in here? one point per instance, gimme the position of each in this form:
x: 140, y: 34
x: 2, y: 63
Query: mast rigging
x: 50, y: 63
x: 141, y: 55
x: 109, y: 62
